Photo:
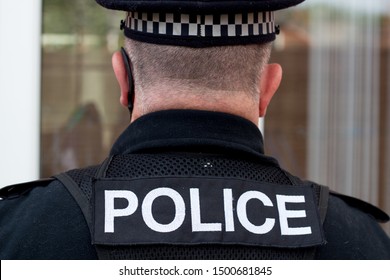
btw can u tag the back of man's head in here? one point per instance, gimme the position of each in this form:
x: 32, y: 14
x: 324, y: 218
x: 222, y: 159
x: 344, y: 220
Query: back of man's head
x: 208, y: 73
x: 194, y: 54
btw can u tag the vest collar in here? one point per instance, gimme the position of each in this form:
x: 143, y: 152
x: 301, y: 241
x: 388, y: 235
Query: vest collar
x: 190, y: 130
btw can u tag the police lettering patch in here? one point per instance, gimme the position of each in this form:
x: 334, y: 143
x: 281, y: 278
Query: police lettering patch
x: 204, y: 210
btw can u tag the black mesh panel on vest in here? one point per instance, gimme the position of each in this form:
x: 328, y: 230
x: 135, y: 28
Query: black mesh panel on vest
x: 184, y: 164
x: 201, y: 252
x: 141, y: 165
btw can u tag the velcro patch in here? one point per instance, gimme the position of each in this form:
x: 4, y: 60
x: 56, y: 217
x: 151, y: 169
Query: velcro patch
x: 204, y: 210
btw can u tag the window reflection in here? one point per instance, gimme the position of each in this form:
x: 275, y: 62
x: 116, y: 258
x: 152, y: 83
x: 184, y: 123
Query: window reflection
x: 330, y: 120
x: 81, y: 116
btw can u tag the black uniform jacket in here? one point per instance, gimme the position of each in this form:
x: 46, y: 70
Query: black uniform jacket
x: 44, y: 222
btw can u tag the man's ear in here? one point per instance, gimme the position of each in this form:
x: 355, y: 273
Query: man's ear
x: 120, y: 72
x: 269, y: 83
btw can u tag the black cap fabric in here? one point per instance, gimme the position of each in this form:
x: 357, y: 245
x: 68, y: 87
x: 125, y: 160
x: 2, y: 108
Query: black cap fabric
x: 200, y: 6
x: 200, y: 23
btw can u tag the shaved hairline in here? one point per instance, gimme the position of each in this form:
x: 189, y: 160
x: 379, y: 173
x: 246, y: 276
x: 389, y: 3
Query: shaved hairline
x: 228, y: 69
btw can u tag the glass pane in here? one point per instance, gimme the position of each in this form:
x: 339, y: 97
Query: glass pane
x: 81, y: 116
x: 329, y: 121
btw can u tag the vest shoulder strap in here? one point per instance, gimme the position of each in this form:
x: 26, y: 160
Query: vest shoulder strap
x: 78, y: 196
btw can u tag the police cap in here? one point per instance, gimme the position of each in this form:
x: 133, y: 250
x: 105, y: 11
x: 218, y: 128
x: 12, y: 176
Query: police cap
x: 200, y: 23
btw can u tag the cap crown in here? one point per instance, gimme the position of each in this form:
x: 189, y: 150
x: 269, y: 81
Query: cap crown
x: 199, y: 6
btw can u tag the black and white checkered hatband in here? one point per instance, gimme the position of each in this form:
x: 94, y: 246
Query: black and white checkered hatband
x: 201, y: 30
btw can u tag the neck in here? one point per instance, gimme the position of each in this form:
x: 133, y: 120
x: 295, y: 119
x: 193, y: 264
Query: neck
x: 239, y: 104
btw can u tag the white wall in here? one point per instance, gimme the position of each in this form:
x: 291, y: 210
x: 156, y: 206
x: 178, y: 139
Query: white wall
x: 20, y: 63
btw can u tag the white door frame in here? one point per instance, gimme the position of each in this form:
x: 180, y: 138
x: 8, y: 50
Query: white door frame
x: 20, y: 74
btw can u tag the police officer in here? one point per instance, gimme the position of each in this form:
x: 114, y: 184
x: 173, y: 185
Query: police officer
x: 188, y: 179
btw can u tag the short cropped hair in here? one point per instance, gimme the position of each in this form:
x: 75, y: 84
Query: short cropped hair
x: 227, y: 68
